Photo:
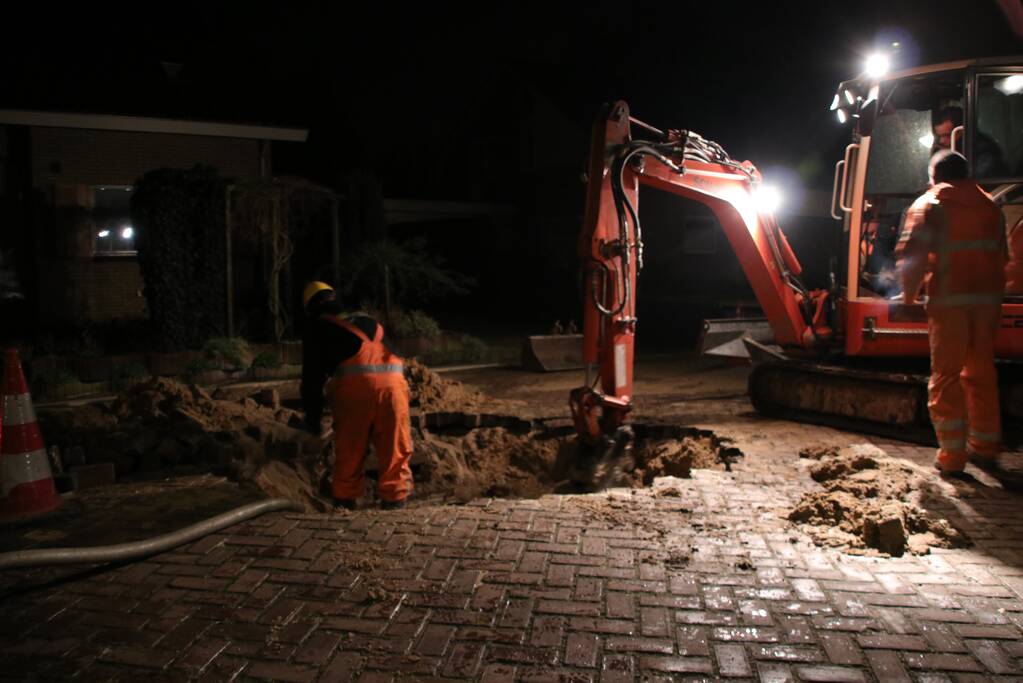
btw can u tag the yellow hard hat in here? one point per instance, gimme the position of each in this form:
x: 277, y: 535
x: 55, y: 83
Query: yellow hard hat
x: 312, y: 289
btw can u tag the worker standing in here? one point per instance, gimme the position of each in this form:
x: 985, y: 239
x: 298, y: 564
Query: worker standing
x: 954, y: 239
x: 369, y: 397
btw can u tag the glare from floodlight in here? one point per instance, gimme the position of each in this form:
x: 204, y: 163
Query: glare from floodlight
x: 767, y: 198
x: 842, y: 116
x: 127, y: 233
x: 103, y: 233
x: 1010, y: 85
x: 926, y: 140
x: 876, y: 65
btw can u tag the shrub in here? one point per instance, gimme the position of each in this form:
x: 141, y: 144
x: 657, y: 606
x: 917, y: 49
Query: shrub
x: 48, y: 383
x: 179, y: 220
x: 128, y: 375
x: 414, y: 324
x: 198, y: 367
x: 267, y: 361
x: 473, y: 349
x: 231, y: 351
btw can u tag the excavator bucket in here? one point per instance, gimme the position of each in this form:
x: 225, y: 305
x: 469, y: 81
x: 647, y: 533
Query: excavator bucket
x: 552, y: 352
x: 725, y: 336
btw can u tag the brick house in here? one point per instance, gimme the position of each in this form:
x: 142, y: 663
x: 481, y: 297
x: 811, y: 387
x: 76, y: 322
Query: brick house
x: 65, y: 183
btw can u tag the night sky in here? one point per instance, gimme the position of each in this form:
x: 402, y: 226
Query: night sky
x: 757, y: 77
x: 489, y: 102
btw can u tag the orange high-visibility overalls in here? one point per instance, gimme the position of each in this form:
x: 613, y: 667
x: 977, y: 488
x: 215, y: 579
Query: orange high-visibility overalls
x: 960, y: 230
x: 371, y: 399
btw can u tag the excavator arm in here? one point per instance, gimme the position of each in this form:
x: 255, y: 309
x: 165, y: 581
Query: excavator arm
x: 611, y: 249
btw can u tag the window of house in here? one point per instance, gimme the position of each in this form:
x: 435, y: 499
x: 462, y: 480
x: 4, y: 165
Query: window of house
x: 113, y: 233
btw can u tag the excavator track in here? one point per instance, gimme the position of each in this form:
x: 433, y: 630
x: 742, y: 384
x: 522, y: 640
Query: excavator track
x: 888, y: 404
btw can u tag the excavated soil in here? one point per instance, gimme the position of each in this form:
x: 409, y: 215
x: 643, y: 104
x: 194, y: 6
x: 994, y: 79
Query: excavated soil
x: 869, y: 505
x: 459, y: 455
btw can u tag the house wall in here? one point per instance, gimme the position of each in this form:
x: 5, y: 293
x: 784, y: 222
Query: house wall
x: 74, y: 285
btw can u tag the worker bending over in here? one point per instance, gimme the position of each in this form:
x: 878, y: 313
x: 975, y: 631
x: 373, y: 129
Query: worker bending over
x: 369, y: 397
x: 954, y: 239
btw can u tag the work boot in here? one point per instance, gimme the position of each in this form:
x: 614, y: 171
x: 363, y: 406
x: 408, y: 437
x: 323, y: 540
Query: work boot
x: 346, y: 503
x: 392, y: 504
x: 949, y: 474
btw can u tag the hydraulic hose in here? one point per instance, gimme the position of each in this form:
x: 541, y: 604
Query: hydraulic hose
x: 136, y: 550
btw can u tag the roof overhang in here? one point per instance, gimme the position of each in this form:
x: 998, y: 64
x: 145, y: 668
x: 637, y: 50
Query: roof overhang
x: 138, y: 124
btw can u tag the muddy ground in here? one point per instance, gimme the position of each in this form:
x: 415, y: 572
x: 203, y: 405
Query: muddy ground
x: 479, y: 433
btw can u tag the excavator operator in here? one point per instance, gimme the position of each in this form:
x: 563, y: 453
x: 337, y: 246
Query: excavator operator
x: 369, y: 397
x: 954, y: 239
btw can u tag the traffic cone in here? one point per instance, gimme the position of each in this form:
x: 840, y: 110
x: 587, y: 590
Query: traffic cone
x: 26, y: 481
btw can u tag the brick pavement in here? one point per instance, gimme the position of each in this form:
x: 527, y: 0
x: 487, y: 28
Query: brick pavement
x: 623, y: 586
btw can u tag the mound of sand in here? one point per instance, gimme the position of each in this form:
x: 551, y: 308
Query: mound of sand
x: 868, y: 504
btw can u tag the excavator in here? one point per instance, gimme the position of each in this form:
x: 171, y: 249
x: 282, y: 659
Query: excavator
x: 851, y: 354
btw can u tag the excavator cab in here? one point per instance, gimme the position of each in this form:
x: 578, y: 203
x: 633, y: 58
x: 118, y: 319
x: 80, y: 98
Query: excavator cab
x: 899, y: 122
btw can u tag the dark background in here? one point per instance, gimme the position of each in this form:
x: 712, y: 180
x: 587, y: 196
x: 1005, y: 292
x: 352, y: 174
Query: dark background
x: 457, y: 102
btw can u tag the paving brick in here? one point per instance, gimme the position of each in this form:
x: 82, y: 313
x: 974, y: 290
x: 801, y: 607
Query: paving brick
x: 942, y: 662
x: 279, y: 671
x: 621, y: 606
x: 194, y: 660
x: 841, y: 649
x: 696, y: 665
x: 887, y: 641
x: 887, y: 666
x: 830, y: 674
x: 787, y: 653
x: 731, y: 659
x: 639, y: 644
x: 434, y: 640
x: 617, y: 669
x: 547, y: 631
x: 343, y: 668
x: 522, y: 655
x: 135, y: 656
x: 582, y: 649
x: 992, y: 656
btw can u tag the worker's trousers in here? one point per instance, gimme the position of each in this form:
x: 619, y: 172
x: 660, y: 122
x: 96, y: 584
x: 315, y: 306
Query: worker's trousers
x: 380, y: 413
x: 963, y: 390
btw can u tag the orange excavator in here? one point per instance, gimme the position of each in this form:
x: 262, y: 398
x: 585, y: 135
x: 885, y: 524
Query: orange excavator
x: 852, y: 354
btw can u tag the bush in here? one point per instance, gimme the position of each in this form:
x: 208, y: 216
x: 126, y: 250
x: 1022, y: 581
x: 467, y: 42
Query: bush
x: 178, y: 216
x: 414, y: 324
x: 232, y: 352
x: 48, y: 383
x: 127, y: 376
x: 473, y: 349
x: 267, y: 361
x: 198, y: 367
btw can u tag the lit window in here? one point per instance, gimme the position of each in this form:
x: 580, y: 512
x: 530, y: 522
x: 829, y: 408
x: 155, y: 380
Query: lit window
x: 113, y: 233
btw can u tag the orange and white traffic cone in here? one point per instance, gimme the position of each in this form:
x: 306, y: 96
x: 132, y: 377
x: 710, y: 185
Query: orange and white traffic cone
x: 26, y: 481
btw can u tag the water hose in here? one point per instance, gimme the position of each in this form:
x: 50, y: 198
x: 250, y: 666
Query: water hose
x: 136, y: 550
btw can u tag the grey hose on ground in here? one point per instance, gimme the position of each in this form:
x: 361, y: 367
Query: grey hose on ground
x: 136, y: 550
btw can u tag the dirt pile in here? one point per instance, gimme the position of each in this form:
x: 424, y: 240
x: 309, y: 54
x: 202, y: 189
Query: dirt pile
x: 869, y: 504
x: 162, y: 423
x: 429, y: 392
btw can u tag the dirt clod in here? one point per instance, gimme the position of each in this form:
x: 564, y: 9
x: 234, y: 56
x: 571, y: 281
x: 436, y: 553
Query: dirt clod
x: 870, y: 503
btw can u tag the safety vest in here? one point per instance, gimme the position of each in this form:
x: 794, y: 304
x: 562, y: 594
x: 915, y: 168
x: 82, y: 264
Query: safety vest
x: 373, y: 366
x: 967, y: 247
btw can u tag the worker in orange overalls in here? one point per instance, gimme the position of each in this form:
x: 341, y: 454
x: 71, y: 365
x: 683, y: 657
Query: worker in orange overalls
x: 369, y: 397
x: 954, y: 238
